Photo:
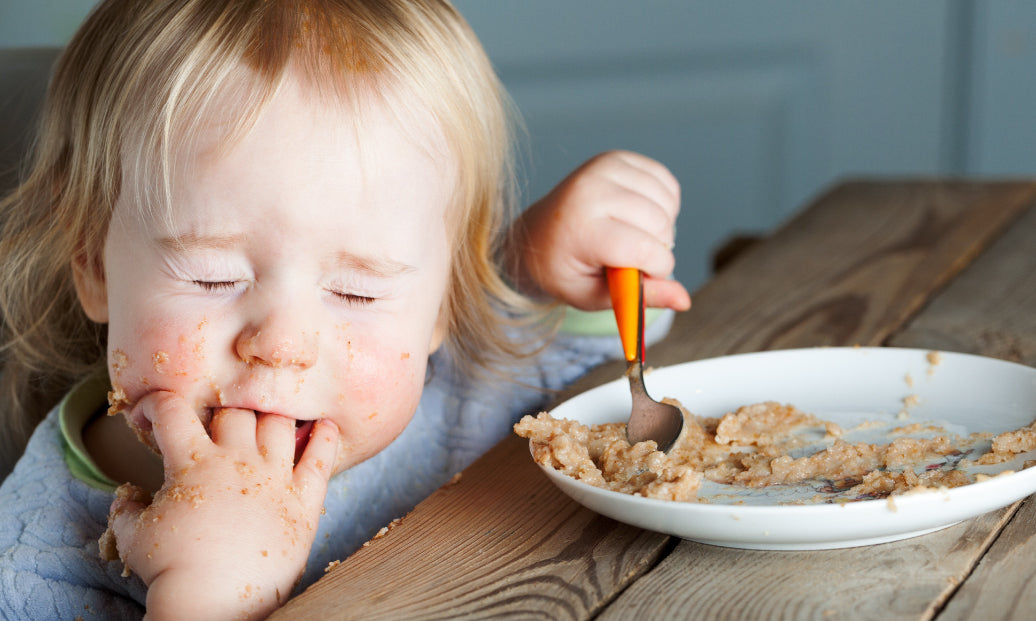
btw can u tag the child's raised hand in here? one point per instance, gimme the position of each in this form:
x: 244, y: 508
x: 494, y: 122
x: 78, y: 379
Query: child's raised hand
x: 229, y: 532
x: 618, y: 209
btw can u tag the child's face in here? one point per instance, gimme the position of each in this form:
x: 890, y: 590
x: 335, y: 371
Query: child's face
x: 304, y: 277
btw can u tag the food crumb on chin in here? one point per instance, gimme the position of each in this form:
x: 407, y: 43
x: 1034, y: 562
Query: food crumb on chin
x: 118, y: 401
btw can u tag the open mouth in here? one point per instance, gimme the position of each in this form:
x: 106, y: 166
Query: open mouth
x: 302, y: 431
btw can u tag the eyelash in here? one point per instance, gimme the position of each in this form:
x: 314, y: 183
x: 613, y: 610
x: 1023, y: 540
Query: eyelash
x: 352, y: 298
x: 229, y: 285
x: 221, y: 285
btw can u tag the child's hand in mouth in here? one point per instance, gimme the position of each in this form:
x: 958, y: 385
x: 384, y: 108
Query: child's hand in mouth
x: 264, y: 471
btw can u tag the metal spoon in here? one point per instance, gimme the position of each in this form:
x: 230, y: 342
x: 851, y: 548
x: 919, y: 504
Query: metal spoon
x: 649, y: 420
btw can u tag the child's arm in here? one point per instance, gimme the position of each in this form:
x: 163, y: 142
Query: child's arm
x: 229, y: 533
x: 618, y: 209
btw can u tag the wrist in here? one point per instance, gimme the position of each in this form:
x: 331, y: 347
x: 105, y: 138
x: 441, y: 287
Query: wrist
x: 207, y: 599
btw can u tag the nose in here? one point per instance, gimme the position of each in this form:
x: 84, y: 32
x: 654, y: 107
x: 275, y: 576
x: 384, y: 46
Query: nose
x: 270, y: 344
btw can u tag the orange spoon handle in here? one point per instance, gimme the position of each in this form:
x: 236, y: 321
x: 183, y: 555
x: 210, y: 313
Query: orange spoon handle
x: 624, y: 284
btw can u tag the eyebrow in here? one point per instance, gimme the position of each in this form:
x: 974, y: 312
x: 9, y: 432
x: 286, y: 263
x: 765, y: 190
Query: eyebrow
x: 381, y: 267
x: 192, y: 241
x: 377, y: 266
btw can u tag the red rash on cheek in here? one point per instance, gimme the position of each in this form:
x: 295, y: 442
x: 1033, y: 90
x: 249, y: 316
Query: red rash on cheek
x: 159, y: 359
x: 382, y: 377
x: 185, y: 360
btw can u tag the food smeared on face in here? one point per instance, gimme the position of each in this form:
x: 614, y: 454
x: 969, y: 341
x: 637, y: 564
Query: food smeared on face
x: 324, y: 303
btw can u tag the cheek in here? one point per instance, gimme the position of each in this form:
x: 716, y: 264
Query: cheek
x: 376, y: 369
x: 158, y: 355
x: 379, y: 392
x: 390, y: 379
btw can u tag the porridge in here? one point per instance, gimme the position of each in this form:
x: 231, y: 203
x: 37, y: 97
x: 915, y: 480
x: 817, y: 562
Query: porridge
x: 768, y: 445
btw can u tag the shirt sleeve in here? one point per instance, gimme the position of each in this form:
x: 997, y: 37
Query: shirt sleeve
x: 50, y: 567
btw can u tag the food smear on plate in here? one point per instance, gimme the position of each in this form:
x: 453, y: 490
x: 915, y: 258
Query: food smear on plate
x: 766, y: 445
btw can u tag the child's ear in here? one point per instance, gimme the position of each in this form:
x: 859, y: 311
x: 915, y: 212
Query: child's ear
x: 91, y: 288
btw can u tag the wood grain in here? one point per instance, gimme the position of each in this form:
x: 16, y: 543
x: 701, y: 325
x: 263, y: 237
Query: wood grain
x: 1003, y: 586
x: 854, y: 268
x: 498, y: 542
x: 991, y: 308
x: 895, y: 581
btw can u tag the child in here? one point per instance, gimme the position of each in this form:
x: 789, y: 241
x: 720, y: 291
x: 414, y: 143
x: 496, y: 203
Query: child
x: 266, y: 231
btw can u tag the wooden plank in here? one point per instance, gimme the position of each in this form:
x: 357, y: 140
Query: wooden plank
x: 851, y: 269
x: 469, y: 551
x: 902, y: 580
x: 973, y: 317
x: 1003, y: 586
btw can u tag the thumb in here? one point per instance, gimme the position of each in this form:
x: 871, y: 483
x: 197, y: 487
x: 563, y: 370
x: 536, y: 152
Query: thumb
x: 123, y: 519
x: 666, y: 293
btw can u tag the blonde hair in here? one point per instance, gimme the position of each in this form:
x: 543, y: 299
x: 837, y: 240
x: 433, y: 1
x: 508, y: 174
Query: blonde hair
x: 140, y: 73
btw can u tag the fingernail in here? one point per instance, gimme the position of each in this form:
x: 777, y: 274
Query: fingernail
x: 330, y: 423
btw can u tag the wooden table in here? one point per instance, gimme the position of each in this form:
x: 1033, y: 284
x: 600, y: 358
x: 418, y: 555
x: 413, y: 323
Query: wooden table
x: 928, y: 264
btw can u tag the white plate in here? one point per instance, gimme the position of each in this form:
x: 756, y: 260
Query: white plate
x: 963, y: 393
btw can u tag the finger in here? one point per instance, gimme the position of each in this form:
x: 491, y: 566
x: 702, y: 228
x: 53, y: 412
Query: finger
x: 632, y: 192
x: 656, y: 169
x: 275, y: 435
x: 317, y: 463
x: 123, y: 521
x: 658, y: 293
x: 665, y: 293
x: 175, y: 425
x: 233, y: 427
x: 611, y: 178
x: 637, y: 210
x: 646, y: 172
x: 631, y: 246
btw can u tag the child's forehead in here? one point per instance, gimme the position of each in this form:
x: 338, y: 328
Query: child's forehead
x: 295, y: 109
x: 305, y: 104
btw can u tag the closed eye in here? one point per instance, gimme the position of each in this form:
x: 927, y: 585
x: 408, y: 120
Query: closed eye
x: 219, y: 285
x: 352, y: 298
